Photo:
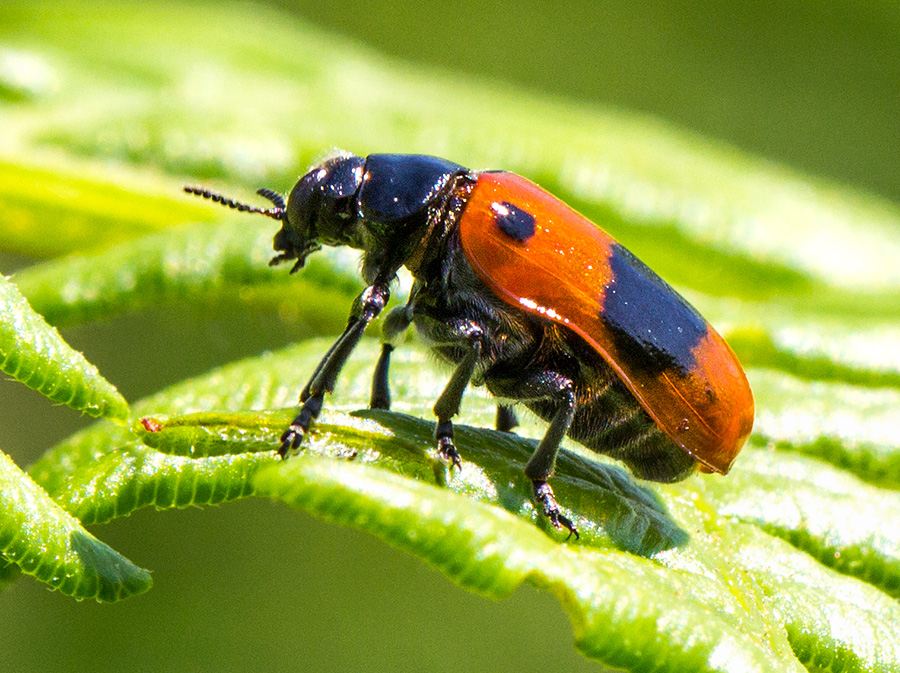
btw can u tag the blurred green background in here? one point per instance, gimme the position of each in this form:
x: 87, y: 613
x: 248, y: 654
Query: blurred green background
x: 254, y: 586
x: 811, y: 83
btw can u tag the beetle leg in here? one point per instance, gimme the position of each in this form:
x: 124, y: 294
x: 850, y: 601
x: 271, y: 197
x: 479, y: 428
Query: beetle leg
x: 304, y: 394
x: 447, y: 405
x: 365, y: 309
x: 543, y: 493
x: 543, y: 462
x: 395, y: 323
x: 381, y: 390
x: 506, y: 418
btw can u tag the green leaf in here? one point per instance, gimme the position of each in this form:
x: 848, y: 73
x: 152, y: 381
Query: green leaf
x: 51, y: 209
x: 201, y: 263
x: 854, y: 427
x: 704, y: 216
x: 698, y: 550
x: 488, y: 551
x: 673, y: 196
x: 826, y: 512
x: 40, y: 538
x: 790, y: 563
x: 33, y: 352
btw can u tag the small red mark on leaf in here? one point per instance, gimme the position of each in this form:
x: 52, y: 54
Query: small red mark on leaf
x: 150, y: 424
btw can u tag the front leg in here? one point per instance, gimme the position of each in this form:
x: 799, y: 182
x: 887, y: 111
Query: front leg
x: 365, y: 309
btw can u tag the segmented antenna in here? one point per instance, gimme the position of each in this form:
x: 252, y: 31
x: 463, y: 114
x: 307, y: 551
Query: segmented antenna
x: 274, y: 197
x: 276, y: 213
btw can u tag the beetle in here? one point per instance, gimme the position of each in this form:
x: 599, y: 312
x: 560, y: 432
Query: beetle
x: 527, y: 297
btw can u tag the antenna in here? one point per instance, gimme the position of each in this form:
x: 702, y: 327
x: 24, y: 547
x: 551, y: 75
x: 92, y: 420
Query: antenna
x: 276, y: 213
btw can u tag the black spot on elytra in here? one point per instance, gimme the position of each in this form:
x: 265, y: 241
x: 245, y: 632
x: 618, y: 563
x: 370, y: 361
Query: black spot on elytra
x: 513, y: 221
x: 652, y: 326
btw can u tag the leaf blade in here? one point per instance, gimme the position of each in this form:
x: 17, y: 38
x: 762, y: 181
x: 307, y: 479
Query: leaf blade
x: 45, y: 541
x: 692, y: 534
x: 35, y: 354
x: 610, y: 624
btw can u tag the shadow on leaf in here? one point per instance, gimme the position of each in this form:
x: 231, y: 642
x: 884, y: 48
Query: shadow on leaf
x: 609, y: 507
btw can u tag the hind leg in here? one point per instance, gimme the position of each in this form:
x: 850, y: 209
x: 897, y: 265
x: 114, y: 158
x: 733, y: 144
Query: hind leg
x: 557, y: 392
x: 506, y: 418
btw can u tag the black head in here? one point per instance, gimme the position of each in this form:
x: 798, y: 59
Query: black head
x: 321, y: 209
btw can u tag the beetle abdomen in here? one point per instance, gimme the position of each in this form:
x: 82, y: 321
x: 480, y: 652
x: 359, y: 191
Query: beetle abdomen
x: 608, y: 419
x: 616, y: 425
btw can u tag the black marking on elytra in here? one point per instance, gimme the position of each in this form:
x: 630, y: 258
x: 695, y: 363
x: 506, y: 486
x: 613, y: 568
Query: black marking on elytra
x: 653, y: 327
x: 513, y: 221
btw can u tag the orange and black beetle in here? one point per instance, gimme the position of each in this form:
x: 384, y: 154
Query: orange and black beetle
x: 527, y: 297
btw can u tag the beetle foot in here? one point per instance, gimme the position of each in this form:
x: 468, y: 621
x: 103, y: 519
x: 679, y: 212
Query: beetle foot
x: 543, y: 493
x: 448, y: 452
x: 293, y: 436
x: 291, y: 439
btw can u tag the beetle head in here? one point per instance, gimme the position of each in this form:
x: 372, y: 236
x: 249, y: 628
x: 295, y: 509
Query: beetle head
x: 321, y: 209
